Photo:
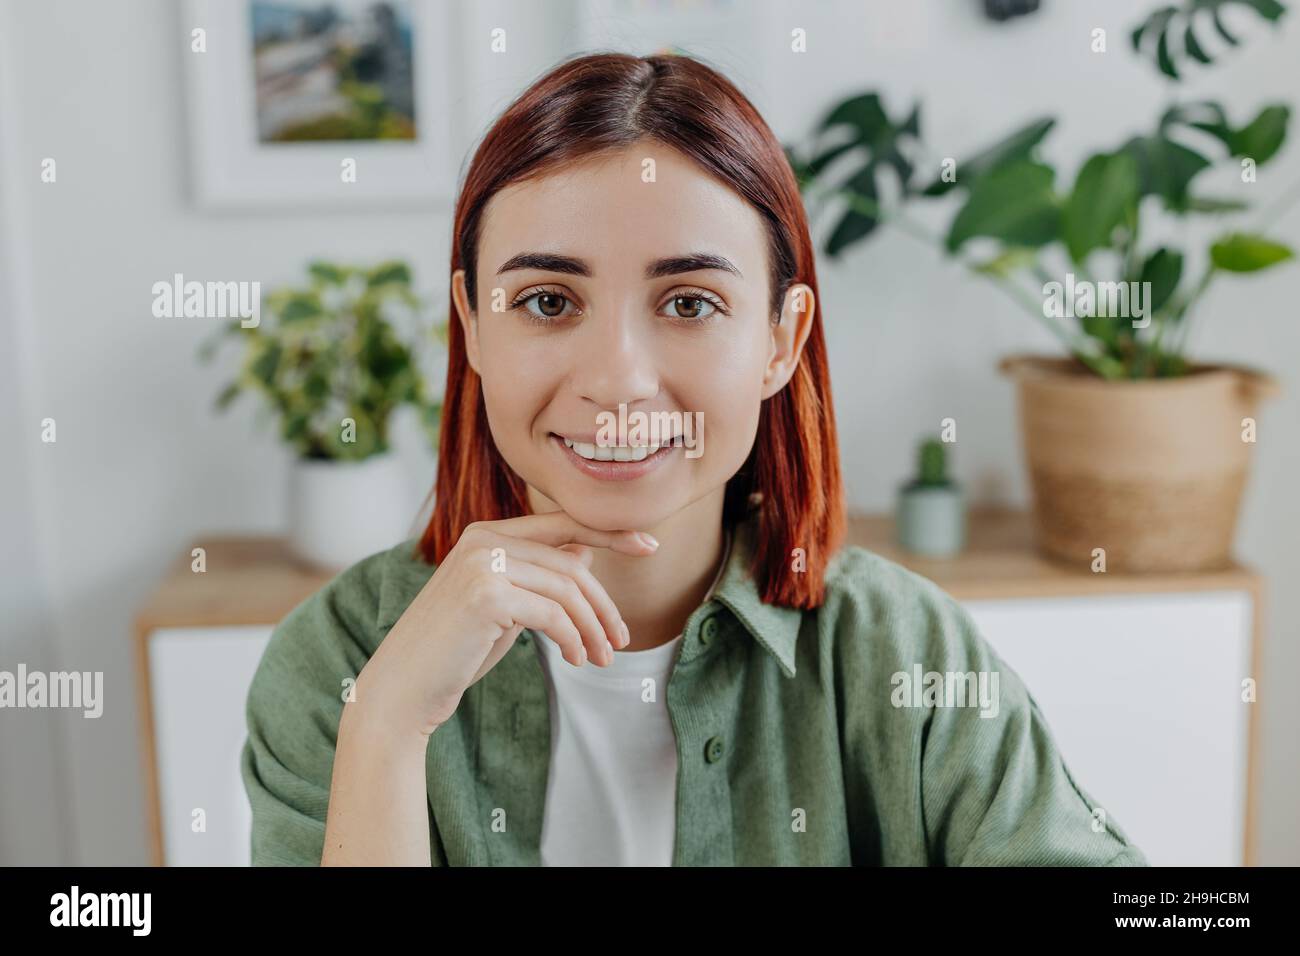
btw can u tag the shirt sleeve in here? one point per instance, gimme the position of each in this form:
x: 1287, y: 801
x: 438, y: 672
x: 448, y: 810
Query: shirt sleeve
x: 293, y: 710
x: 995, y: 788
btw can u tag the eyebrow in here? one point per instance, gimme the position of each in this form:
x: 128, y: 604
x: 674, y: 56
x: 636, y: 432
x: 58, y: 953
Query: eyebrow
x: 666, y: 266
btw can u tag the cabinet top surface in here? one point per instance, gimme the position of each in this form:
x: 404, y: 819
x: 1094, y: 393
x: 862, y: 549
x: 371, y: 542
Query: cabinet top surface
x: 1001, y: 561
x: 247, y: 580
x: 252, y: 580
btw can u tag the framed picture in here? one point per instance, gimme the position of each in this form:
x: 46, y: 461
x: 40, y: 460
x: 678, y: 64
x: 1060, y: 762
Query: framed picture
x: 320, y: 102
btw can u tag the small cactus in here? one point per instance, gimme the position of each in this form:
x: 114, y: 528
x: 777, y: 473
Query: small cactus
x: 930, y: 518
x: 932, y: 464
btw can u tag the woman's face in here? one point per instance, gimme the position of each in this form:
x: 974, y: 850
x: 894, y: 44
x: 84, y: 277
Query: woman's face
x: 621, y: 281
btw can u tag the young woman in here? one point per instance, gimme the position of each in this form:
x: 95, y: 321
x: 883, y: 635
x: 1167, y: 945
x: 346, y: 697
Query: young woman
x: 621, y: 646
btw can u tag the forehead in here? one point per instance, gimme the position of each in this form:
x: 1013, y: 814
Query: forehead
x: 603, y: 210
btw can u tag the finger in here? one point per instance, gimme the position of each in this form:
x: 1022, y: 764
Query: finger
x: 539, y: 613
x: 557, y: 528
x: 557, y: 559
x: 580, y: 551
x: 565, y: 591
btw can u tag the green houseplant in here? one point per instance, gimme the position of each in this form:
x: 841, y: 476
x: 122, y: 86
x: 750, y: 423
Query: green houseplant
x: 332, y: 360
x: 1079, y: 260
x: 931, y: 513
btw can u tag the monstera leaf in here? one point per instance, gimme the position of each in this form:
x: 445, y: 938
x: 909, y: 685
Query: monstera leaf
x: 1248, y: 253
x: 1015, y: 148
x: 860, y: 128
x: 1173, y: 35
x: 1260, y: 139
x: 1014, y: 203
x: 1104, y: 197
x: 1166, y: 167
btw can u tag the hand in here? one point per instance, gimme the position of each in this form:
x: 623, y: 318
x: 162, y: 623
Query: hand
x: 468, y: 614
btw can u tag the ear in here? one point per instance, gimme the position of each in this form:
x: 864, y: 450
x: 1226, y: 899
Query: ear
x: 788, y: 337
x: 468, y: 319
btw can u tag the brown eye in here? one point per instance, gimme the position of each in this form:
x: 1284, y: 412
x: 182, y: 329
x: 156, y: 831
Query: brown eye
x: 550, y: 304
x: 693, y: 309
x: 688, y: 307
x: 543, y: 305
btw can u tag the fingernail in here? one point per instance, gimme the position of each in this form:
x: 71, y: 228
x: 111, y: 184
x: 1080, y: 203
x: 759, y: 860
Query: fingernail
x: 582, y: 655
x: 627, y: 635
x: 648, y: 539
x: 610, y: 648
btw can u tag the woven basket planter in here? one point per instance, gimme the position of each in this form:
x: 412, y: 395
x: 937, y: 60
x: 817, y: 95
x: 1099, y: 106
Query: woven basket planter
x: 1152, y: 470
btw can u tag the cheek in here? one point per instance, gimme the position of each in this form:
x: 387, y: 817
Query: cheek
x: 728, y: 389
x: 512, y: 383
x: 500, y: 354
x: 731, y: 426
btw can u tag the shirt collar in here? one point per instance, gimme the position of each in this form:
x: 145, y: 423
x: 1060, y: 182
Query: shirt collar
x: 773, y: 627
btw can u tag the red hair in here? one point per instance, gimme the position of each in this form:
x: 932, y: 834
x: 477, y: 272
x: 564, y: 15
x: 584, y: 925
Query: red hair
x: 605, y: 102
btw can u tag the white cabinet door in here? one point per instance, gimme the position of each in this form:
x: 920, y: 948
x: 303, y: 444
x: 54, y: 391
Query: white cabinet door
x: 1144, y: 697
x: 199, y: 681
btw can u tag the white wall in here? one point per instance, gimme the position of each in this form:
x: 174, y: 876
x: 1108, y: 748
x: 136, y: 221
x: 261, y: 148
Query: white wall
x: 33, y: 800
x: 142, y: 467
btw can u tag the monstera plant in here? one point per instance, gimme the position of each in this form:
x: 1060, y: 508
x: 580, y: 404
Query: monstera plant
x: 1079, y: 256
x: 1012, y: 198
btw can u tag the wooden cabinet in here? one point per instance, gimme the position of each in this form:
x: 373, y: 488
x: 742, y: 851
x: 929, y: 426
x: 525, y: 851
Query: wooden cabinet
x: 1140, y: 678
x: 198, y: 641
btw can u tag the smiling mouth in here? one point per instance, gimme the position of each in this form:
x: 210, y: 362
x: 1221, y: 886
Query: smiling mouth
x: 592, y: 452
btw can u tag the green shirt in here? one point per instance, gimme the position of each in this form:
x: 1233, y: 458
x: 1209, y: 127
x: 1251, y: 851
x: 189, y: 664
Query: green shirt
x: 799, y: 742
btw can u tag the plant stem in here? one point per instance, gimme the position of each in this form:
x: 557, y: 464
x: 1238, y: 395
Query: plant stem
x: 1275, y: 212
x: 1183, y: 321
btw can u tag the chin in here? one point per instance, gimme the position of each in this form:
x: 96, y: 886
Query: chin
x: 634, y: 513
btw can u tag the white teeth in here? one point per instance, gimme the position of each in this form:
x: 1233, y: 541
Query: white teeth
x: 611, y: 452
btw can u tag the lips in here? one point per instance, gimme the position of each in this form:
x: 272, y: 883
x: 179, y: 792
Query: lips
x: 612, y: 463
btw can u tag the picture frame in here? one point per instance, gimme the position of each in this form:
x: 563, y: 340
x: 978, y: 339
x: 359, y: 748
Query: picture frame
x: 234, y: 164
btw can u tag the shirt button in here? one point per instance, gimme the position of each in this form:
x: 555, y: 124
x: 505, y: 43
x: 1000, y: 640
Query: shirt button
x: 709, y: 629
x: 713, y: 750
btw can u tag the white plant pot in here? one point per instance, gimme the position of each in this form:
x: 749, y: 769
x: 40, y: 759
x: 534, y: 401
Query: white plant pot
x: 343, y: 511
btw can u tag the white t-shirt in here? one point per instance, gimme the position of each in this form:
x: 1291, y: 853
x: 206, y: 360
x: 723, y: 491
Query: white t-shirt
x: 611, y: 791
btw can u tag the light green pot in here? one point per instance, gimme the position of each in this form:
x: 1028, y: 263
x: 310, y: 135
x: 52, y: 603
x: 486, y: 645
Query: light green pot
x: 931, y: 521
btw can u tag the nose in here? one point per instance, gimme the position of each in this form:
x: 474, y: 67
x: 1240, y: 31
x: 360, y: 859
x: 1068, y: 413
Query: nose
x: 615, y: 360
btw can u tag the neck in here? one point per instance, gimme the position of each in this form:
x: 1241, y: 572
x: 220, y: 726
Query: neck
x: 658, y: 592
